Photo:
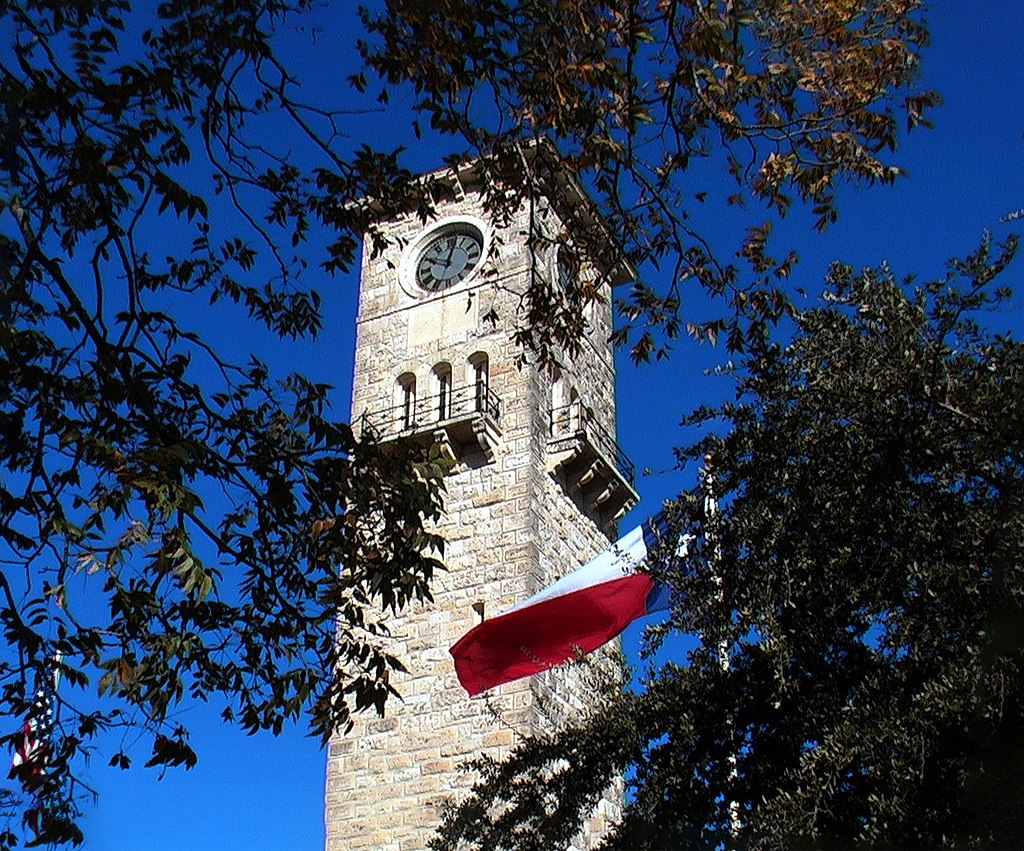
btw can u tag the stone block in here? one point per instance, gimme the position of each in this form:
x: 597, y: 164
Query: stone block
x: 510, y: 528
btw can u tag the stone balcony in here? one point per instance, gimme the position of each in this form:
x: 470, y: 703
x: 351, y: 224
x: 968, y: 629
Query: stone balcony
x: 589, y: 464
x: 463, y: 422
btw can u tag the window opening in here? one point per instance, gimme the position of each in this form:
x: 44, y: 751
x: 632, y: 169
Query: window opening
x: 481, y: 380
x: 407, y: 400
x: 443, y: 381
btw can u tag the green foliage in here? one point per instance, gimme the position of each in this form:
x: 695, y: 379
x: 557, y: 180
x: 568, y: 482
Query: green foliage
x: 785, y: 100
x: 177, y: 523
x: 858, y: 601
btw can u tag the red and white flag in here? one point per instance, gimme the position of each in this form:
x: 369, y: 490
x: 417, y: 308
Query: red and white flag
x: 573, y: 616
x: 28, y: 751
x: 33, y: 742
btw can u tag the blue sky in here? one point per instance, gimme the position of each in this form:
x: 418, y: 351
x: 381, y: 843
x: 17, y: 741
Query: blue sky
x: 265, y: 793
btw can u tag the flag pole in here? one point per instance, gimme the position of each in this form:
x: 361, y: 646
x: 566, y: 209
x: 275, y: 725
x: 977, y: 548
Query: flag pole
x: 710, y: 512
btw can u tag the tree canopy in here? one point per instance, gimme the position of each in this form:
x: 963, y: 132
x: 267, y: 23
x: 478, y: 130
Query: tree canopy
x: 174, y: 524
x: 178, y: 519
x: 670, y: 112
x: 856, y: 598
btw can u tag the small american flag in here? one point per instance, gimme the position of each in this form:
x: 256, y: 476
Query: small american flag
x: 33, y: 742
x: 30, y: 749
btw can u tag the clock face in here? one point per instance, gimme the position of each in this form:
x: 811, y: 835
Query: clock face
x: 449, y: 258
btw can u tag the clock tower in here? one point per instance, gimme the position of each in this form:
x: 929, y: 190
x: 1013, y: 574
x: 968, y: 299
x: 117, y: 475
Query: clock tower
x: 537, y: 485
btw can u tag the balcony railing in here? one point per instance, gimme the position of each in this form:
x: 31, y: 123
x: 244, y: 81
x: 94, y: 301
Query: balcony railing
x: 590, y: 465
x: 428, y: 412
x: 463, y: 422
x: 577, y: 418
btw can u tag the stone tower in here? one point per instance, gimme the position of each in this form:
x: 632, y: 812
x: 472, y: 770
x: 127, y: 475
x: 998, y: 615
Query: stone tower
x: 537, y: 487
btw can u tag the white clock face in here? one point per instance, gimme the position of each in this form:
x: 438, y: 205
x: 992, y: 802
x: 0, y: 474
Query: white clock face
x: 449, y: 258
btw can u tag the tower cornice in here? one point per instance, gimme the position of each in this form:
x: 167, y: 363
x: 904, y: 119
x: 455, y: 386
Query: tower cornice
x: 533, y: 164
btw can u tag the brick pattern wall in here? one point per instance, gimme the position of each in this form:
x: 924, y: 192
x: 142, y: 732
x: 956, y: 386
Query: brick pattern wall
x: 509, y: 529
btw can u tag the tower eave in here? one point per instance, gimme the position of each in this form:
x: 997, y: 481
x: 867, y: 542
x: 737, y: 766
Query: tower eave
x: 554, y: 177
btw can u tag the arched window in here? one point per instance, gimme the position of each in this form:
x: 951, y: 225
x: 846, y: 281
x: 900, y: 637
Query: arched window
x: 568, y: 271
x: 590, y: 314
x: 481, y: 382
x: 559, y: 402
x: 573, y: 411
x: 559, y: 388
x: 443, y: 390
x: 406, y: 408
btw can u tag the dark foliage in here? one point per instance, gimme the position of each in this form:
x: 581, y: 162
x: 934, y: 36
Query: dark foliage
x: 676, y: 115
x: 180, y: 521
x: 175, y: 524
x: 858, y: 598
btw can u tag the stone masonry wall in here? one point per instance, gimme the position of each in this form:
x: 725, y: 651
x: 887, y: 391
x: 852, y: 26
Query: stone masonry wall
x: 509, y: 529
